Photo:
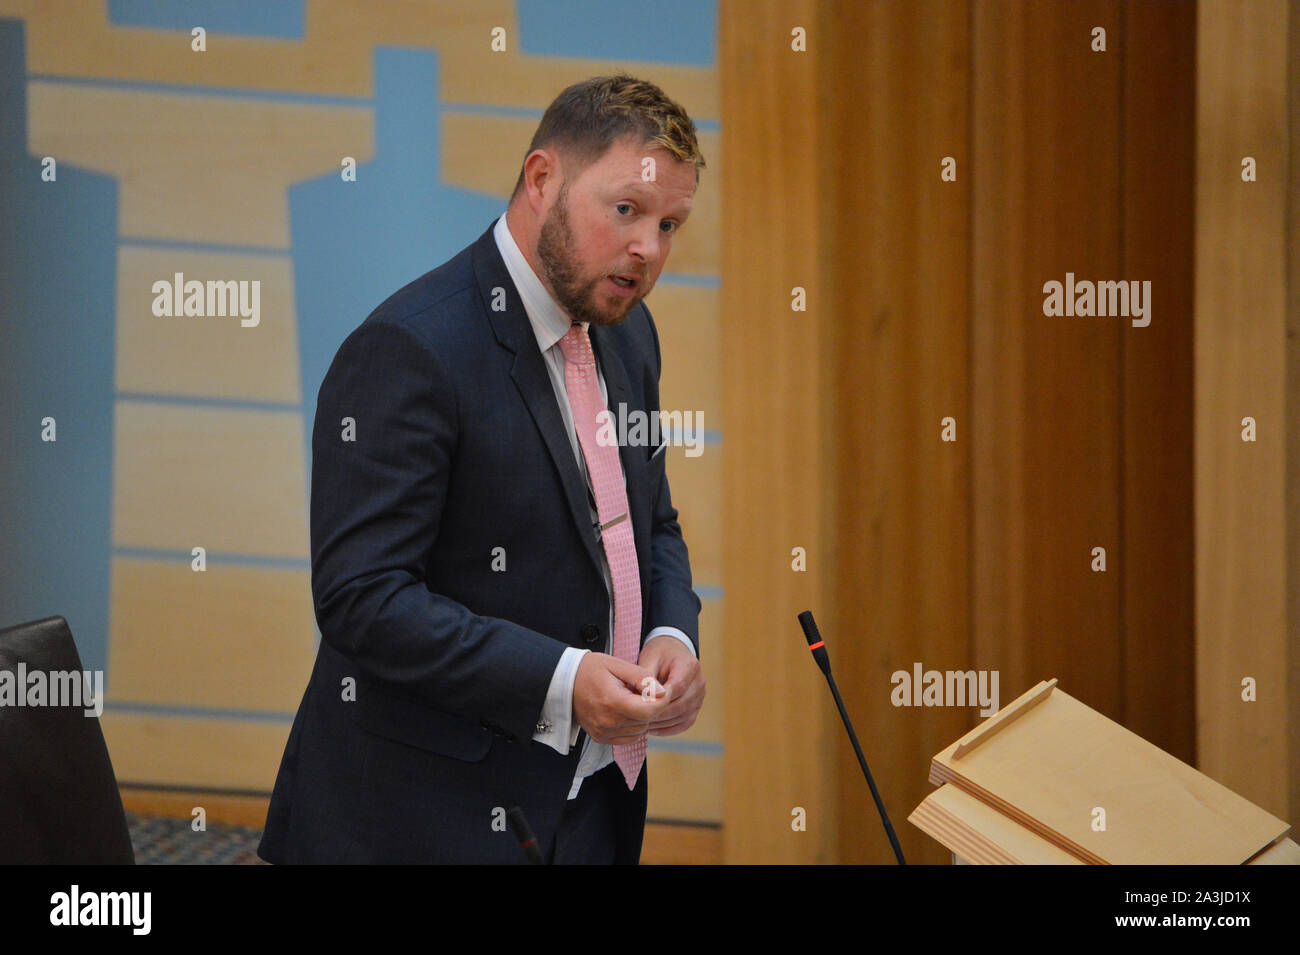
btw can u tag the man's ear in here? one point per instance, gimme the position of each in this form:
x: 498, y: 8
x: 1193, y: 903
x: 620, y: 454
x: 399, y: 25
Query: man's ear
x: 541, y: 179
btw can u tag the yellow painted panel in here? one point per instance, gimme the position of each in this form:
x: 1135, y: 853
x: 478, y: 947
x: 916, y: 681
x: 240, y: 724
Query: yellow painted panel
x: 210, y: 356
x: 475, y: 75
x: 205, y: 168
x: 335, y: 57
x: 194, y: 752
x: 224, y: 479
x: 249, y: 810
x: 484, y: 153
x: 696, y: 485
x: 234, y: 637
x: 697, y: 250
x: 675, y: 844
x: 708, y: 726
x: 74, y: 38
x: 691, y: 380
x: 685, y: 786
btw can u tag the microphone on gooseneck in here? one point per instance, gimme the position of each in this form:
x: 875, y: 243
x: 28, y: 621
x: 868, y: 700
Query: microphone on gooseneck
x: 818, y: 647
x: 524, y: 833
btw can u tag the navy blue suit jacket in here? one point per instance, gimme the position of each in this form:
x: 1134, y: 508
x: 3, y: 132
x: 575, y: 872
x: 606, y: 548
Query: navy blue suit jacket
x: 415, y: 728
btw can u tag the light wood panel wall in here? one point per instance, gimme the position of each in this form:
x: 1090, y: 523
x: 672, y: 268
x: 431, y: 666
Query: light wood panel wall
x: 1246, y: 365
x: 1072, y: 432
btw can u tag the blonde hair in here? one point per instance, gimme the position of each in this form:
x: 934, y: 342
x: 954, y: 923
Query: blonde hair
x: 589, y: 116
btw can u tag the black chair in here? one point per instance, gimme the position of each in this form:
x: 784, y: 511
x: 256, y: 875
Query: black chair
x: 59, y: 802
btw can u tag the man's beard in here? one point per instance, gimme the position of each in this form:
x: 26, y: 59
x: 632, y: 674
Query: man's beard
x: 556, y: 249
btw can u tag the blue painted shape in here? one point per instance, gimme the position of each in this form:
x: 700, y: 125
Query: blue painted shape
x: 194, y: 89
x: 355, y: 243
x: 665, y: 31
x: 275, y: 18
x: 58, y: 289
x: 216, y: 558
x: 175, y: 711
x: 671, y: 745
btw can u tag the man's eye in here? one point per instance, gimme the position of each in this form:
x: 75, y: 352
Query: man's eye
x: 623, y: 205
x: 672, y: 226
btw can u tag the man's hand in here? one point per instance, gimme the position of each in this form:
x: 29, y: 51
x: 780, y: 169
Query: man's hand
x: 679, y: 671
x: 607, y: 699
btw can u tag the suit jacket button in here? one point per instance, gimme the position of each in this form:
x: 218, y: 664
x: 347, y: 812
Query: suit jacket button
x: 590, y: 633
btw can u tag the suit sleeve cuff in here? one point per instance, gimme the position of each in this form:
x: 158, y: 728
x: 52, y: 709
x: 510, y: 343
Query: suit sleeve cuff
x: 556, y: 726
x: 671, y: 631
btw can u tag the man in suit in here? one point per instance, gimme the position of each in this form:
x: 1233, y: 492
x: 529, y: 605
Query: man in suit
x: 503, y: 594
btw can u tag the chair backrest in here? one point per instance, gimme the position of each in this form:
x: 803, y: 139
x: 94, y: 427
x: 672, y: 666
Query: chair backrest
x: 59, y: 801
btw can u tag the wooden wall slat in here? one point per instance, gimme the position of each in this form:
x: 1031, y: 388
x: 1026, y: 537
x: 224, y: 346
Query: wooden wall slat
x: 1046, y: 430
x: 779, y: 738
x: 1293, y: 413
x: 1241, y: 570
x: 899, y: 248
x: 1156, y: 565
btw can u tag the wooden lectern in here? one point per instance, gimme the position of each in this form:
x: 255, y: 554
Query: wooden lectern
x: 1049, y: 781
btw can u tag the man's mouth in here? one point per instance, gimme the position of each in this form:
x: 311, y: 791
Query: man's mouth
x: 626, y: 281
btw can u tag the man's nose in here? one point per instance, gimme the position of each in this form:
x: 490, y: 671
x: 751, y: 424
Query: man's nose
x: 645, y: 244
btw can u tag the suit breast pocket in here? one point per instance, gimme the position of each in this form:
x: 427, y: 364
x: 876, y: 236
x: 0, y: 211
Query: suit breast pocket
x: 655, y: 463
x: 417, y: 724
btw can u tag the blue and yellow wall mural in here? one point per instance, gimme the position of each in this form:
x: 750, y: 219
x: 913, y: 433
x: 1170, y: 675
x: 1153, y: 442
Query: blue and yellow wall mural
x: 128, y: 156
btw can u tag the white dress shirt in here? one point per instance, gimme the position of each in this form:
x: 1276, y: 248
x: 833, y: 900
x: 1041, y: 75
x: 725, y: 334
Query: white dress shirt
x: 551, y: 323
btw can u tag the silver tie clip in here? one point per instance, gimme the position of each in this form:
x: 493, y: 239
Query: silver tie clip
x: 600, y: 528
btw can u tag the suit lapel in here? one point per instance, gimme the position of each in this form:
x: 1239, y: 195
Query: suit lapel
x: 528, y: 372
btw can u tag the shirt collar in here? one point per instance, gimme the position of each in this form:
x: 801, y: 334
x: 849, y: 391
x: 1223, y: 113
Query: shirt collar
x: 550, y: 322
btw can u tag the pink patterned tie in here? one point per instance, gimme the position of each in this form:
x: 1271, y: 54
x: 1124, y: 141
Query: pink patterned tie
x: 611, y: 503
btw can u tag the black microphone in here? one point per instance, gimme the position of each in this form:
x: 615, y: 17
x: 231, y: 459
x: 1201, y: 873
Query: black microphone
x: 527, y: 841
x: 818, y: 647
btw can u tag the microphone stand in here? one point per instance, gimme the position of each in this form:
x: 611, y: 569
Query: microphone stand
x: 818, y: 648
